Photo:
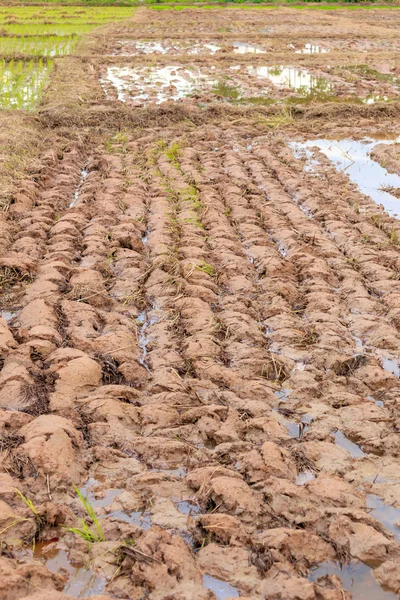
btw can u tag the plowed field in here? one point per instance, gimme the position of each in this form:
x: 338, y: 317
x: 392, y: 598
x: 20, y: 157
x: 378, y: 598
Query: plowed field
x: 200, y: 332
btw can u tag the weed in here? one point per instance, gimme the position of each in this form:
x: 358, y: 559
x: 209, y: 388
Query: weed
x: 28, y: 503
x: 394, y: 237
x: 377, y: 220
x: 223, y: 89
x: 173, y: 153
x: 309, y: 336
x: 85, y: 531
x: 279, y: 119
x: 207, y: 268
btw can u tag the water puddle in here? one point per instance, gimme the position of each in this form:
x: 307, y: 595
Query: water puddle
x: 391, y: 365
x: 373, y: 98
x: 388, y: 515
x: 379, y: 403
x: 282, y: 249
x: 139, y: 518
x: 146, y: 48
x: 356, y: 578
x: 294, y: 429
x: 177, y: 471
x: 354, y: 158
x: 131, y: 48
x: 304, y: 477
x: 351, y: 447
x: 144, y: 320
x: 283, y: 394
x: 155, y: 84
x: 8, y: 315
x: 82, y: 582
x: 311, y: 49
x: 77, y: 192
x: 107, y: 496
x: 188, y: 508
x: 298, y: 80
x: 244, y: 48
x: 22, y: 83
x: 198, y: 48
x: 221, y: 589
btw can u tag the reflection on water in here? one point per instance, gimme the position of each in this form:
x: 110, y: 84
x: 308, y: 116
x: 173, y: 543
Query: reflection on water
x: 220, y: 588
x: 354, y: 158
x: 299, y: 80
x: 351, y: 447
x: 385, y: 513
x: 156, y: 84
x: 312, y: 49
x: 356, y: 577
x: 304, y: 477
x: 130, y: 47
x: 81, y: 581
x: 21, y: 82
x: 244, y: 48
x: 391, y: 364
x: 373, y: 98
x: 8, y: 315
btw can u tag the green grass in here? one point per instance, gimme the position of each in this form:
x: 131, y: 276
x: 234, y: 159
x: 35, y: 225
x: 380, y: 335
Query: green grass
x: 368, y: 73
x: 222, y: 88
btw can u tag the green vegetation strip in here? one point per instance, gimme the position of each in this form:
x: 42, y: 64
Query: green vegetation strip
x: 22, y: 82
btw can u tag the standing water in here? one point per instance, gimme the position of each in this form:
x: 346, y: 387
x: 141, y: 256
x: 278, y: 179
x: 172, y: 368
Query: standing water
x: 354, y: 158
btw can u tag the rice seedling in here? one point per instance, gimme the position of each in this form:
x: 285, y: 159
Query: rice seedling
x: 22, y: 82
x: 85, y: 531
x: 37, y: 45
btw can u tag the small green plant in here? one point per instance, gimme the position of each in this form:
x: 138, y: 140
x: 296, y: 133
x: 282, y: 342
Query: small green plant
x: 394, y: 237
x: 207, y: 268
x: 222, y: 88
x: 29, y: 504
x: 173, y: 153
x: 85, y: 531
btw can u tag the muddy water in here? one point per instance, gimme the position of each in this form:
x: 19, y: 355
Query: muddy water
x: 304, y: 477
x: 156, y: 84
x: 354, y: 158
x: 356, y: 577
x: 312, y: 49
x: 244, y: 48
x: 8, y: 315
x: 391, y: 364
x: 299, y: 80
x: 221, y: 589
x: 77, y: 192
x: 388, y: 515
x: 351, y: 447
x: 145, y: 319
x: 81, y: 582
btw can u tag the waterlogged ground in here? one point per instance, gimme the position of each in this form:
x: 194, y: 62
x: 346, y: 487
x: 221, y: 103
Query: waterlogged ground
x: 200, y: 300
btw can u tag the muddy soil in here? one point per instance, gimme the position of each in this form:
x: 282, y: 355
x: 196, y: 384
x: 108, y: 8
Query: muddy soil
x: 199, y: 333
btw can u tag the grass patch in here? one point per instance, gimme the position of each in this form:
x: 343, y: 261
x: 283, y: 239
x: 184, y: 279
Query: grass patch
x: 173, y: 153
x: 207, y: 268
x: 223, y: 89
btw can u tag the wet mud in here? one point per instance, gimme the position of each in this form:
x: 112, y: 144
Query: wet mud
x: 200, y: 350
